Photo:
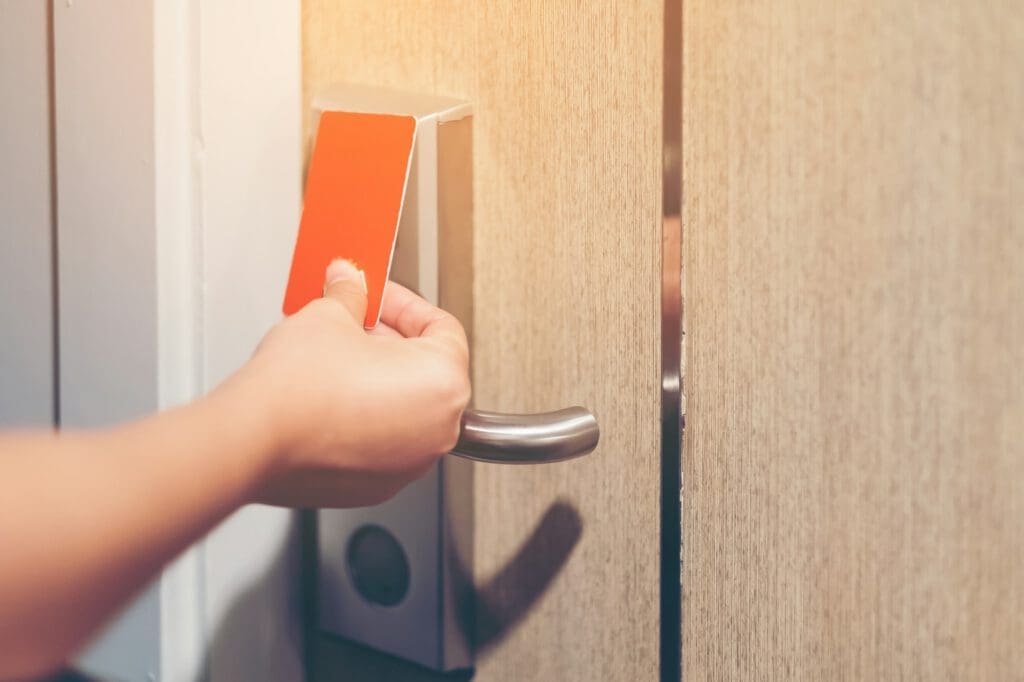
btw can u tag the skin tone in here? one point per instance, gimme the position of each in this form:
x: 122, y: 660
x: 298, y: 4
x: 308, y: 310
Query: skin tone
x: 325, y: 414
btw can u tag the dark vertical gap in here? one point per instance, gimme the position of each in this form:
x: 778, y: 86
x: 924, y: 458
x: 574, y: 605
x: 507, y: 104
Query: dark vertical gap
x: 671, y: 342
x: 440, y: 562
x: 51, y: 56
x: 310, y: 586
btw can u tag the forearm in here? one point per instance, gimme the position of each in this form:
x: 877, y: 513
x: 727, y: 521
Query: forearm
x: 94, y: 515
x: 86, y: 519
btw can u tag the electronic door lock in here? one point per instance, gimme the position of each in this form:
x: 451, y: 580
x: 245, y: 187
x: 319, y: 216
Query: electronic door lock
x: 397, y: 577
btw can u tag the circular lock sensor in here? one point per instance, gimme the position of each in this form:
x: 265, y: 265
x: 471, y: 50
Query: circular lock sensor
x: 378, y: 566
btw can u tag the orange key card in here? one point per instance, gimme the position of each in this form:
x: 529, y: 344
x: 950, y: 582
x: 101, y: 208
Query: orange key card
x: 354, y: 194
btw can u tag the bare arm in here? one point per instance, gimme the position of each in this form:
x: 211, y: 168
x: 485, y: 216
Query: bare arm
x: 87, y: 518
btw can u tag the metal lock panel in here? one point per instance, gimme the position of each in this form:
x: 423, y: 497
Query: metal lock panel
x: 421, y: 611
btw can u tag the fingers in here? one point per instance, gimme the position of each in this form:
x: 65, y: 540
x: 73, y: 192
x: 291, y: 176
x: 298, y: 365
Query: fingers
x: 384, y: 331
x: 345, y: 283
x: 411, y: 316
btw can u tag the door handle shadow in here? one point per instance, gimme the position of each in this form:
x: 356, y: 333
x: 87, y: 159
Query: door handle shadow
x: 505, y: 599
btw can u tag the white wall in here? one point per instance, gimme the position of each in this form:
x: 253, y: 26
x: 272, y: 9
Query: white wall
x: 178, y: 166
x: 250, y: 102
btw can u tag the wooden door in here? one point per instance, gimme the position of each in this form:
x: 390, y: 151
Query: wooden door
x: 567, y: 205
x: 853, y: 187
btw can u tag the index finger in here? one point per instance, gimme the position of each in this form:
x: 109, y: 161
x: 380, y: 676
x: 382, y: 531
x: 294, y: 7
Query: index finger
x: 414, y: 317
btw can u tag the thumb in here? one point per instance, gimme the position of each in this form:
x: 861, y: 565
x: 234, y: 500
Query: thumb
x: 346, y: 284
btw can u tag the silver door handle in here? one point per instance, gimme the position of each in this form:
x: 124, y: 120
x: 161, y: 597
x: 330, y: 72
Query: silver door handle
x: 527, y: 438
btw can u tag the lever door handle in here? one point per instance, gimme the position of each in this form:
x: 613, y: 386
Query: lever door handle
x: 527, y: 438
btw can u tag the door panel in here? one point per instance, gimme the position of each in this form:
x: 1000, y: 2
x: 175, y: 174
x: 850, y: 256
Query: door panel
x: 853, y: 207
x: 567, y: 203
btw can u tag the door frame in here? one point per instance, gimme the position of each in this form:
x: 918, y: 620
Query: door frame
x: 213, y: 174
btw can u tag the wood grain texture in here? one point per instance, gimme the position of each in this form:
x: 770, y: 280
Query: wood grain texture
x: 567, y: 100
x: 854, y: 233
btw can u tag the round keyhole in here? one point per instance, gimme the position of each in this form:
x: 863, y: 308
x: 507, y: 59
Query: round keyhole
x: 378, y: 566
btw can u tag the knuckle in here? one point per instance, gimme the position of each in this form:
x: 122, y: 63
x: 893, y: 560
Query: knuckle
x: 451, y: 386
x: 458, y: 398
x: 451, y: 437
x: 460, y: 392
x: 457, y: 388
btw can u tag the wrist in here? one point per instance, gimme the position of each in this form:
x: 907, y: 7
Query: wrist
x: 243, y: 405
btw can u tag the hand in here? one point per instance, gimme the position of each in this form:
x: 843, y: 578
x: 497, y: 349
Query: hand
x: 324, y: 414
x: 354, y: 415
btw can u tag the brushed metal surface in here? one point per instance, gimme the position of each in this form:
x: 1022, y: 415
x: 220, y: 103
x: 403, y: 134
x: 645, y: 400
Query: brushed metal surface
x: 527, y: 438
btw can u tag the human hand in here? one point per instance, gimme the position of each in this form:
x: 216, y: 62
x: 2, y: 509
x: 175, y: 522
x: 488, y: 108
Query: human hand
x: 354, y: 415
